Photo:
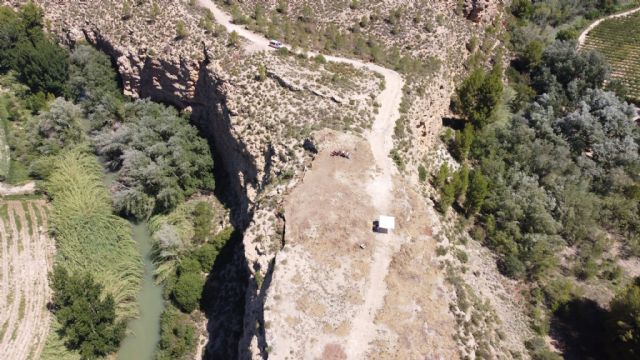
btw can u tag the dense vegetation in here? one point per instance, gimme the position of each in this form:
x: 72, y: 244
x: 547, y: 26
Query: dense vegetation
x: 89, y: 322
x: 158, y: 167
x: 561, y: 171
x: 185, y: 248
x: 88, y: 236
x: 24, y: 47
x: 62, y: 108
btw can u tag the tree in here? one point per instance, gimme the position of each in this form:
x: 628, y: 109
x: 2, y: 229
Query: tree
x: 202, y: 216
x: 159, y: 156
x: 58, y: 128
x: 521, y: 8
x: 441, y: 176
x: 624, y: 324
x: 477, y: 192
x: 532, y: 55
x: 11, y: 31
x: 42, y: 65
x: 93, y: 84
x: 87, y: 316
x: 188, y: 290
x: 463, y: 141
x: 479, y: 96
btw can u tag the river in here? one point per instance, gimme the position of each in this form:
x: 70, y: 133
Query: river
x: 143, y: 333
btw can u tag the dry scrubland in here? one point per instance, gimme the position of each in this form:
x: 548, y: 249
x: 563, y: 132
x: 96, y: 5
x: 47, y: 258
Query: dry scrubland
x: 431, y: 43
x: 619, y: 41
x: 26, y: 258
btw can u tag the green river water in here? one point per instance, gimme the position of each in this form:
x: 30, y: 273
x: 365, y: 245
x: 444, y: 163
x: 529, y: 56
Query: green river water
x: 143, y: 333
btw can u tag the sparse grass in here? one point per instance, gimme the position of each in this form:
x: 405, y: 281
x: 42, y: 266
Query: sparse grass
x: 21, y: 307
x: 3, y: 330
x: 4, y: 213
x: 17, y: 221
x: 25, y: 208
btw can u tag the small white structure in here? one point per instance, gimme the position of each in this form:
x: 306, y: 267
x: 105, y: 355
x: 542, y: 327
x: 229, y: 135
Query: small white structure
x: 275, y: 44
x: 386, y: 223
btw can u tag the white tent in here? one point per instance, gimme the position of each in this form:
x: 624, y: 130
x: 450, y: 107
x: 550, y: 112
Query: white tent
x: 387, y: 222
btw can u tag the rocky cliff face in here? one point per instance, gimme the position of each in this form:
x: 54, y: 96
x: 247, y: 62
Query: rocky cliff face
x: 481, y: 10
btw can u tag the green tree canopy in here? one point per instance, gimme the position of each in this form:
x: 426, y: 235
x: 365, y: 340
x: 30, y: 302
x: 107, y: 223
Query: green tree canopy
x: 479, y: 96
x: 88, y: 317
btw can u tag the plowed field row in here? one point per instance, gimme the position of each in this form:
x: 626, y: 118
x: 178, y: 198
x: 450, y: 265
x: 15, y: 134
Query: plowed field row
x: 618, y: 39
x: 26, y: 256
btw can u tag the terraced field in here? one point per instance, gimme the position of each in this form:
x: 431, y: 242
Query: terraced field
x: 618, y: 40
x: 26, y: 256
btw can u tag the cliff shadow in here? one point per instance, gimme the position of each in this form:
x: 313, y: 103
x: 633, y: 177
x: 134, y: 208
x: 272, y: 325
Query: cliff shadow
x: 223, y: 300
x: 579, y: 328
x: 224, y: 293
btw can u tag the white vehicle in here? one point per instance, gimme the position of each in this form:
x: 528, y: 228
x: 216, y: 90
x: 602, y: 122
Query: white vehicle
x: 275, y: 44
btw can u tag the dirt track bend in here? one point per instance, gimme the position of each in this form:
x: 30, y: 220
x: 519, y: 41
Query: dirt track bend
x: 380, y: 188
x: 583, y: 36
x: 26, y: 258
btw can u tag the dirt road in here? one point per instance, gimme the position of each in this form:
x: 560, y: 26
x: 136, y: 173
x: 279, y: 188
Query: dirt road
x: 380, y: 187
x: 26, y: 258
x: 24, y: 189
x: 583, y: 36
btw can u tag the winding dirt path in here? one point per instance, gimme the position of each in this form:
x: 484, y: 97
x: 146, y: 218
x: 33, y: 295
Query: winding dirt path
x: 380, y: 188
x: 583, y: 36
x: 26, y: 251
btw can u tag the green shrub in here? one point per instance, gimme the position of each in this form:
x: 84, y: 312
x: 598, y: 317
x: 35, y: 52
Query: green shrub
x: 422, y: 173
x: 181, y: 30
x: 187, y: 291
x: 177, y: 335
x: 206, y: 256
x: 188, y: 266
x: 202, y: 217
x: 88, y: 317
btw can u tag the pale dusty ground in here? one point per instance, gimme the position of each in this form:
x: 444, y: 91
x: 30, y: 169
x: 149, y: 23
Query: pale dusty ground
x: 27, y: 188
x: 416, y: 310
x: 27, y: 257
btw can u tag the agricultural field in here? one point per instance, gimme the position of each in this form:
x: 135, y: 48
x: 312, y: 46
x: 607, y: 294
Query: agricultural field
x: 619, y: 41
x: 26, y: 256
